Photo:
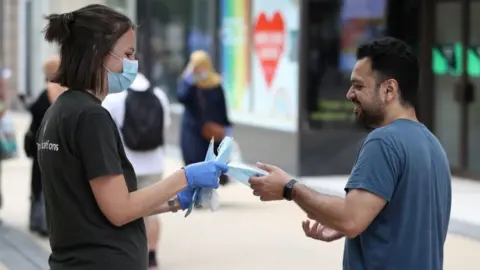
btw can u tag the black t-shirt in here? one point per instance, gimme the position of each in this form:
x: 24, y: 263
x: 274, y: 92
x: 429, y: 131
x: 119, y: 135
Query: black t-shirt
x: 77, y: 142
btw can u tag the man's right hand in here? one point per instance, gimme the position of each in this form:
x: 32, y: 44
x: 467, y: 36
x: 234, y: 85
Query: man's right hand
x: 319, y: 232
x: 204, y: 174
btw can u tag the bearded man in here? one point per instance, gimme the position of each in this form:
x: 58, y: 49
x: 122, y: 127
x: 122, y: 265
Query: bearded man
x: 396, y: 211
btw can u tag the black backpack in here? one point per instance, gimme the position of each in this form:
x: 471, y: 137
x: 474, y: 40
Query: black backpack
x: 143, y: 125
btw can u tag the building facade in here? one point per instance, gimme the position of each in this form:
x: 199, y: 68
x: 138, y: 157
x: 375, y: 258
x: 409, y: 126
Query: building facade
x: 286, y: 67
x: 9, y: 47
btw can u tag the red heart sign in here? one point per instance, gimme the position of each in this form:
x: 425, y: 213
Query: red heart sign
x: 269, y: 42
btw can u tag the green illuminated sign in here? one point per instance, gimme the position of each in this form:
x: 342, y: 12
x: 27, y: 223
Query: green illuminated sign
x: 447, y: 59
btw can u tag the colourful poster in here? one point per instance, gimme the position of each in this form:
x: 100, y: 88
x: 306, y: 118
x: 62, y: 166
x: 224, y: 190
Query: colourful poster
x: 274, y: 65
x: 235, y: 55
x: 259, y: 62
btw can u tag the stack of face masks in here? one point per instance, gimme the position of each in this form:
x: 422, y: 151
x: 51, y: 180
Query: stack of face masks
x: 207, y: 197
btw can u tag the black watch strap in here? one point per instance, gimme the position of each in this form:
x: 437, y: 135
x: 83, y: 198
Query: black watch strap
x: 171, y: 205
x: 287, y: 191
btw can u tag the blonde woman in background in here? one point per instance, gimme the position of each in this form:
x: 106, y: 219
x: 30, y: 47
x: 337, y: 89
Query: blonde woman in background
x: 38, y: 109
x: 205, y: 115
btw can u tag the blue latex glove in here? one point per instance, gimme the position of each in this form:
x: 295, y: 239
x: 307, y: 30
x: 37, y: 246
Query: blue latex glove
x: 185, y: 198
x: 207, y: 197
x: 205, y: 174
x: 228, y: 131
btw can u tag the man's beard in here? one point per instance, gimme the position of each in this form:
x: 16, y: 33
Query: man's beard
x: 370, y: 118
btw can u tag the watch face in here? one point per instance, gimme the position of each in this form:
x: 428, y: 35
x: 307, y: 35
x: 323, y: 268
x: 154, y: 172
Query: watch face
x: 292, y: 183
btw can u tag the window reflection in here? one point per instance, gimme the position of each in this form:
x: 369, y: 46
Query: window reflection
x: 202, y: 30
x: 168, y: 31
x: 164, y: 40
x: 335, y: 30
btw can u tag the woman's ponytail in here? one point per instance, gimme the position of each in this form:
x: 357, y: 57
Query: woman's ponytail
x: 58, y: 27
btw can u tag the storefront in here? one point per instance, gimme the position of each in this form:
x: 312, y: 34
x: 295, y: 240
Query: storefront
x: 286, y: 66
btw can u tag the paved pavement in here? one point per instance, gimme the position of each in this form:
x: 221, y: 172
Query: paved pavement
x: 243, y: 234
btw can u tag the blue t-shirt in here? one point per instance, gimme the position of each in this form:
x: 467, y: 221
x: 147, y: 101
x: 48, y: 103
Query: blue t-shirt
x: 405, y: 164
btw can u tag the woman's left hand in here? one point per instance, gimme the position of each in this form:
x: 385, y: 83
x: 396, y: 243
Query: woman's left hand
x: 185, y: 198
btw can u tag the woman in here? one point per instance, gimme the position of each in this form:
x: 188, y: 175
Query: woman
x: 38, y: 109
x: 149, y: 164
x: 201, y: 93
x: 94, y: 209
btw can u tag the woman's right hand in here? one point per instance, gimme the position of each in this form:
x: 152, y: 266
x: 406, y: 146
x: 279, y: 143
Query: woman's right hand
x: 190, y: 78
x: 204, y: 174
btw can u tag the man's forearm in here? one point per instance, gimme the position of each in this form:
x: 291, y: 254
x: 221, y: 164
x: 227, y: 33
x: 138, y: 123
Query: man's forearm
x: 329, y: 210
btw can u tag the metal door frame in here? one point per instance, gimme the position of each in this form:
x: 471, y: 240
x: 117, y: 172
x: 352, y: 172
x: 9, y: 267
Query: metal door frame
x: 427, y: 86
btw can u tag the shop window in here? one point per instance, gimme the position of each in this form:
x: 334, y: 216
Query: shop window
x: 258, y: 55
x: 162, y: 41
x: 335, y: 29
x: 203, y: 27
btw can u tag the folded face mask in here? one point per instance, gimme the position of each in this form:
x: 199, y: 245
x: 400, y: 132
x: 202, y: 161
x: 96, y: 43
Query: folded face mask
x: 208, y: 197
x: 241, y: 172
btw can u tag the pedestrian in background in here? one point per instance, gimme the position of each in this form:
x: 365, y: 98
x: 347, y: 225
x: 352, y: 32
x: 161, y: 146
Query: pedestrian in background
x: 205, y: 115
x: 94, y: 208
x: 38, y: 109
x: 397, y: 208
x: 142, y: 114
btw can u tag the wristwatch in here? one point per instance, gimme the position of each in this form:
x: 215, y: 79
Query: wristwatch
x: 287, y: 191
x: 171, y: 205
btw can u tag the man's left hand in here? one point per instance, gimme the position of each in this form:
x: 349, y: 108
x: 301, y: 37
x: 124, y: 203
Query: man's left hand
x: 271, y: 186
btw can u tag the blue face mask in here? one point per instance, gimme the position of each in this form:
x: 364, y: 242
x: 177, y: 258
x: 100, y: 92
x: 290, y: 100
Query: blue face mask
x: 202, y: 76
x: 118, y: 82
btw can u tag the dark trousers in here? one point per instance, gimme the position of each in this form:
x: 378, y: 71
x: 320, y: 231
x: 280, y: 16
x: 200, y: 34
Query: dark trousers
x: 36, y: 181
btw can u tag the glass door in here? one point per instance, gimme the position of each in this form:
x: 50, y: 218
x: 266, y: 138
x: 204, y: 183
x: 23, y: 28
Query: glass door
x: 447, y: 67
x: 474, y: 74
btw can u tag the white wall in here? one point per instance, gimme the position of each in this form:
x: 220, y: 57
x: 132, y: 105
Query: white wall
x: 42, y: 48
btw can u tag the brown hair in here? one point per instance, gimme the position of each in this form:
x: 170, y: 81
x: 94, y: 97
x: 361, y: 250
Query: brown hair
x: 85, y: 37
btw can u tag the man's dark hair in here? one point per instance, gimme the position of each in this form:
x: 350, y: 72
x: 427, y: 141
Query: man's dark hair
x: 394, y: 59
x: 85, y: 37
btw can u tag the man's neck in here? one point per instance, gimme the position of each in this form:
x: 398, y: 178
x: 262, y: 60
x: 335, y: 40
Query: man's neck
x: 401, y: 113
